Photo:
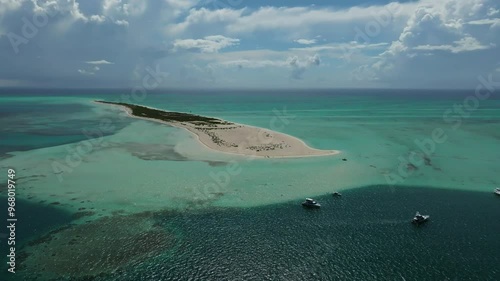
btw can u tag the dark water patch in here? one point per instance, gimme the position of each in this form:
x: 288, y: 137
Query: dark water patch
x: 4, y: 154
x: 33, y: 220
x: 31, y: 177
x: 81, y: 214
x: 48, y: 236
x: 366, y: 235
x: 153, y: 151
x: 427, y: 160
x: 30, y: 125
x: 411, y: 167
x: 84, y: 251
x: 216, y: 163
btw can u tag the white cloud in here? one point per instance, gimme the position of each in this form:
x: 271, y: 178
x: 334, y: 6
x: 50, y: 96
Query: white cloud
x: 274, y: 18
x: 314, y: 60
x: 85, y: 72
x: 9, y: 5
x: 433, y: 26
x: 97, y: 18
x: 466, y: 44
x: 205, y: 18
x: 495, y: 22
x: 289, y: 19
x: 73, y: 8
x: 245, y: 63
x: 297, y: 66
x: 121, y: 22
x: 340, y: 49
x: 97, y: 62
x: 274, y: 40
x: 90, y: 70
x: 209, y: 44
x: 179, y: 6
x: 306, y: 41
x: 124, y: 7
x: 493, y: 11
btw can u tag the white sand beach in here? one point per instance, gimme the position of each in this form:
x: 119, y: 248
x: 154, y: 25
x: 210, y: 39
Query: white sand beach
x: 242, y: 139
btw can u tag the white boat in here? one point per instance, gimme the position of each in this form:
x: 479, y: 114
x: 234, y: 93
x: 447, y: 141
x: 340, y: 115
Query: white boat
x: 497, y: 191
x: 420, y: 219
x: 311, y: 203
x: 336, y: 194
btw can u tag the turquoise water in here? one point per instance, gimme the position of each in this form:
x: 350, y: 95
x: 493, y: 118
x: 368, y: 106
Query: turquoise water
x: 136, y: 172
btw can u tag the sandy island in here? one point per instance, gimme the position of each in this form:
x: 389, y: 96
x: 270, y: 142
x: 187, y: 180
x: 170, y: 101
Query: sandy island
x: 228, y: 137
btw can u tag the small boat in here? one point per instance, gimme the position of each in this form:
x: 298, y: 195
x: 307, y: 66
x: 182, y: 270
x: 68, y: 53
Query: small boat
x: 311, y: 203
x: 336, y: 194
x: 497, y: 191
x: 420, y: 219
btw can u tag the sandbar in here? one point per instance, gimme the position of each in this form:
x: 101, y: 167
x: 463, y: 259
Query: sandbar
x: 228, y: 137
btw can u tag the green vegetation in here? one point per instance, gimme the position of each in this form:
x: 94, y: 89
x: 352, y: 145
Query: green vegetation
x: 142, y: 111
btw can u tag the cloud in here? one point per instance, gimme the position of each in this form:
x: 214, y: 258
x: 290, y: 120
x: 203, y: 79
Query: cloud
x: 209, y: 44
x: 97, y: 62
x: 89, y: 70
x: 245, y: 63
x: 97, y: 18
x: 179, y: 6
x: 121, y: 22
x: 299, y: 67
x: 492, y: 11
x: 306, y: 41
x: 433, y: 27
x: 465, y: 44
x: 314, y: 60
x: 492, y: 22
x: 9, y: 5
x: 132, y: 8
x: 286, y: 20
x: 395, y: 43
x: 85, y: 72
x: 345, y: 51
x: 204, y: 20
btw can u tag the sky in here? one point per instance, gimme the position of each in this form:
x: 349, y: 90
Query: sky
x: 248, y: 44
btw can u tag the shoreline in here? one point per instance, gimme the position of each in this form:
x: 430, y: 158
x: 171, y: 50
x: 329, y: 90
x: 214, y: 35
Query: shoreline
x: 229, y: 137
